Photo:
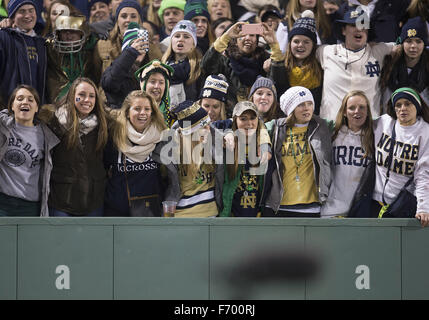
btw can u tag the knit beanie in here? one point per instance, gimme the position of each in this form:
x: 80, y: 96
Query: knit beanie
x: 409, y: 94
x: 194, y: 8
x: 415, y: 27
x: 306, y: 26
x: 92, y: 2
x: 130, y: 4
x: 215, y: 87
x: 190, y: 116
x: 262, y: 82
x: 14, y: 5
x: 165, y: 4
x: 293, y: 97
x: 133, y: 32
x: 143, y: 74
x: 186, y: 26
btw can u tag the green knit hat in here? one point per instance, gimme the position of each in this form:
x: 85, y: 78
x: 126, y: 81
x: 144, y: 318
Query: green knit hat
x: 195, y: 8
x: 143, y: 74
x: 165, y: 4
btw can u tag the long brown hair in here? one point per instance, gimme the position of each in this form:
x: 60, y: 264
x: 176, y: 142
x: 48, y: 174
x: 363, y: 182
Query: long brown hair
x: 418, y: 8
x: 367, y: 133
x: 272, y: 113
x: 194, y: 58
x: 310, y: 62
x: 391, y: 61
x: 119, y: 134
x: 294, y: 10
x: 68, y: 101
x: 233, y: 168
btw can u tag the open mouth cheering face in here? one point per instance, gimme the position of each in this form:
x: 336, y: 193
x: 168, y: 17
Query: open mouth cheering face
x: 355, y: 39
x: 24, y: 107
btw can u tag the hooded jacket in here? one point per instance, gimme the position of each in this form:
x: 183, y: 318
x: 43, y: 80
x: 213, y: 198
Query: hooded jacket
x: 320, y: 147
x: 14, y: 63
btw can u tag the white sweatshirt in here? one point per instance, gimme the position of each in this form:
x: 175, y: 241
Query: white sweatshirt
x: 411, y: 156
x: 347, y: 166
x: 346, y: 70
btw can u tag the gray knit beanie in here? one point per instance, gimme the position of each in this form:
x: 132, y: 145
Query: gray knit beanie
x: 262, y: 82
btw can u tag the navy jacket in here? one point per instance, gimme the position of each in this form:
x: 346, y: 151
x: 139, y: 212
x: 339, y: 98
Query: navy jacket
x: 144, y: 181
x: 15, y: 65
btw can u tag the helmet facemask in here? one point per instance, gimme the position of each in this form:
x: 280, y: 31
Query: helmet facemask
x: 69, y: 23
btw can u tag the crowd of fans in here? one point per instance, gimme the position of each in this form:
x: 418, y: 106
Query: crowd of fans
x: 272, y: 108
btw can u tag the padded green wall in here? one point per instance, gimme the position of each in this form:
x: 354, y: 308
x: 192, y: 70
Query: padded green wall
x: 167, y: 258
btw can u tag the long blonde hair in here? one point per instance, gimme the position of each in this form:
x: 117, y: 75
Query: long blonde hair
x: 186, y: 147
x: 294, y: 10
x: 222, y: 108
x: 367, y: 135
x: 152, y: 15
x: 68, y: 101
x: 194, y: 58
x: 120, y: 132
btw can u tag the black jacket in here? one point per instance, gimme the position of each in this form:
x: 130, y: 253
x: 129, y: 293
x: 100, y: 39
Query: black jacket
x: 118, y: 79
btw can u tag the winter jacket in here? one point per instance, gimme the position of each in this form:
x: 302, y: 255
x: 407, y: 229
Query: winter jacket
x: 215, y: 62
x: 109, y: 50
x: 6, y: 123
x: 15, y: 66
x: 116, y: 195
x: 118, y: 80
x: 78, y: 177
x: 320, y: 147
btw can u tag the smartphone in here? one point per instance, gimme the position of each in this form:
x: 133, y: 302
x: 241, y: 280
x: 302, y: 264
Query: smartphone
x: 252, y: 28
x: 143, y: 33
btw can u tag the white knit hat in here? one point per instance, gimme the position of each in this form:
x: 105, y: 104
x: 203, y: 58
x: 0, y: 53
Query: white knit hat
x: 186, y: 26
x: 293, y: 97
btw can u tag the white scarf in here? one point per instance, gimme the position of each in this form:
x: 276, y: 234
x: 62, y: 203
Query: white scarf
x: 86, y: 125
x: 140, y: 145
